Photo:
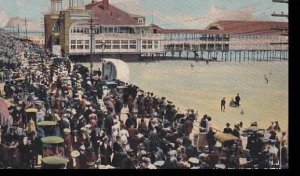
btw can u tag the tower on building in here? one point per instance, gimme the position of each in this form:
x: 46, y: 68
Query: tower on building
x: 56, y: 5
x: 76, y: 4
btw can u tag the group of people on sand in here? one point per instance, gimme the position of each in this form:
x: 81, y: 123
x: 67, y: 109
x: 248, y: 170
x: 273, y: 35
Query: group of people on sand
x: 233, y: 103
x: 106, y: 125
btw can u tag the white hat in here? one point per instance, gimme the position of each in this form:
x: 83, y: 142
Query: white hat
x: 172, y: 152
x: 194, y: 160
x: 159, y: 163
x: 139, y: 135
x: 220, y: 166
x: 204, y: 155
x: 67, y: 130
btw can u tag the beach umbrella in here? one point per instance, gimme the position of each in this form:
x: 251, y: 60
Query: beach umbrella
x: 4, y: 113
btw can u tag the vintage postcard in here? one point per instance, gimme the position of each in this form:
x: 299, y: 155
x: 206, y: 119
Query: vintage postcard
x: 144, y: 84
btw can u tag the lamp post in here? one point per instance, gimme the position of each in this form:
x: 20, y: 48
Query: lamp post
x: 102, y: 59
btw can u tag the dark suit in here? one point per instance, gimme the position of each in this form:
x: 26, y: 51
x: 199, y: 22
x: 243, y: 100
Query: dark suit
x: 105, y: 153
x: 117, y: 158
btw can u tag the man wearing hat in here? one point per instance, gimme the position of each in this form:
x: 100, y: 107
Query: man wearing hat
x: 227, y: 129
x: 223, y: 102
x: 108, y: 122
x: 68, y: 139
x: 118, y: 153
x: 105, y: 152
x: 236, y: 131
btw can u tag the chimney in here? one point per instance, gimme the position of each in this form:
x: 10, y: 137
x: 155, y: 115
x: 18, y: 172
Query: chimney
x: 105, y: 4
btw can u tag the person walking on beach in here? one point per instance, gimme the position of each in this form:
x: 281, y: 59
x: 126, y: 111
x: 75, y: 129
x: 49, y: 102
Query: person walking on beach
x: 267, y: 81
x: 223, y: 102
x: 237, y: 100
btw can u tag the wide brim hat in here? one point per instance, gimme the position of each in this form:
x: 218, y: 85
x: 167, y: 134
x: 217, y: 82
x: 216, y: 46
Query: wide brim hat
x: 67, y: 130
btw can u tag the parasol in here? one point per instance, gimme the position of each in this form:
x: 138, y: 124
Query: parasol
x: 31, y: 110
x: 52, y: 140
x: 46, y: 123
x: 223, y: 137
x: 55, y: 160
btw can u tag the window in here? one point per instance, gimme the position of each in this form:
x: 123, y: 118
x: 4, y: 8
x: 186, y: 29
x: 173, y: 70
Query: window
x: 132, y: 46
x: 140, y: 20
x: 87, y: 46
x: 79, y: 46
x: 144, y: 47
x: 98, y: 41
x: 107, y: 47
x: 116, y: 42
x: 73, y: 41
x: 110, y: 30
x: 155, y: 46
x: 144, y: 41
x: 86, y: 41
x: 124, y: 42
x: 124, y: 46
x: 107, y: 41
x: 132, y: 42
x: 156, y: 42
x: 79, y: 41
x: 73, y: 46
x: 116, y: 46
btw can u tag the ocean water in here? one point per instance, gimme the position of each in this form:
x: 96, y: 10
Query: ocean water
x: 203, y: 86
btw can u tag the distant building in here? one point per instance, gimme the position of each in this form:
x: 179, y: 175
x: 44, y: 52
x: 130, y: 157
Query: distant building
x: 119, y: 34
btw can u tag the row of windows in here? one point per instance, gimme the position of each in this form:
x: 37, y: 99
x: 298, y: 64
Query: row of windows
x: 251, y: 44
x: 255, y: 37
x: 101, y: 29
x: 81, y: 47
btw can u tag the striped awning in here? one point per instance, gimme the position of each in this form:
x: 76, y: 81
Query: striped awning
x: 4, y: 113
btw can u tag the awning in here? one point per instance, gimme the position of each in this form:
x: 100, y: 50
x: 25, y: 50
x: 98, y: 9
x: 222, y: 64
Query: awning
x: 4, y: 113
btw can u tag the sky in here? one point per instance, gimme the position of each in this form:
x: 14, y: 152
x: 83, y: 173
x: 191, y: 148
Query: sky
x: 192, y: 14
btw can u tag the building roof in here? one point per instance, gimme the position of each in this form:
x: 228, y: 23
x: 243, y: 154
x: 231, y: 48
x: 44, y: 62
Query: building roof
x: 249, y: 27
x: 234, y: 28
x: 111, y: 16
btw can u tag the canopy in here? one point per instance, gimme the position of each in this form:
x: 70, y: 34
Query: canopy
x: 52, y: 140
x: 31, y: 110
x: 4, y: 113
x: 46, y: 123
x: 55, y: 160
x: 223, y: 137
x: 116, y: 68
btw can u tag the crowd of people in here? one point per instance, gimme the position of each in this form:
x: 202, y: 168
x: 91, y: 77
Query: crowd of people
x: 112, y: 124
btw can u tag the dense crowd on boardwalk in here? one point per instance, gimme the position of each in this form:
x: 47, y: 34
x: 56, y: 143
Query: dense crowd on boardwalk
x: 110, y: 124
